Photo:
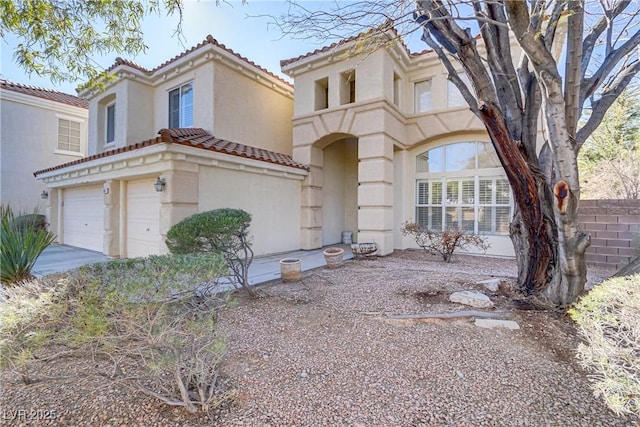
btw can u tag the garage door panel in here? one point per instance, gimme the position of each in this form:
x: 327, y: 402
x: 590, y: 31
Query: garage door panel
x: 143, y: 219
x: 83, y: 223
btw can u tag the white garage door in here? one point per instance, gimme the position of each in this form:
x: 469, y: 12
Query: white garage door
x: 143, y: 219
x: 83, y: 211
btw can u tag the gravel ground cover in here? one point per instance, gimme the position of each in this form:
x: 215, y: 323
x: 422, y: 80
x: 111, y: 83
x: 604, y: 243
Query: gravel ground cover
x: 325, y: 352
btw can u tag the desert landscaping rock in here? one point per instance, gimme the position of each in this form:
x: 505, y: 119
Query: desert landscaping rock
x: 496, y: 323
x: 471, y: 298
x: 360, y: 370
x: 490, y: 284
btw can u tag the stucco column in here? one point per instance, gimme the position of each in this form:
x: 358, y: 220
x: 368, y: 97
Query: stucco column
x: 111, y: 240
x: 311, y: 199
x: 178, y: 201
x: 51, y: 211
x: 375, y: 192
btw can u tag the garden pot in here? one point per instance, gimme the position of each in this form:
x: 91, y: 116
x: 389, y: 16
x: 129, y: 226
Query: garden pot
x: 290, y: 269
x: 333, y: 256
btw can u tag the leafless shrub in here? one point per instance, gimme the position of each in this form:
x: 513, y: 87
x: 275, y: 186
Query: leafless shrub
x: 443, y: 243
x: 153, y: 312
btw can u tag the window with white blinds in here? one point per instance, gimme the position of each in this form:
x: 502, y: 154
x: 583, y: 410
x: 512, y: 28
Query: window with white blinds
x: 68, y: 135
x: 422, y: 96
x: 454, y: 97
x: 460, y: 186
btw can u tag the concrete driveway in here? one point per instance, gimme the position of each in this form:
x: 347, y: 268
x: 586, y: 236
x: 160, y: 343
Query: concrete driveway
x: 58, y: 258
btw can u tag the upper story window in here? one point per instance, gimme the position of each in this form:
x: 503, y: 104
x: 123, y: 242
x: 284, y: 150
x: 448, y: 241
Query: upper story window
x: 397, y: 88
x: 110, y: 123
x: 422, y: 97
x: 321, y: 100
x: 68, y: 135
x: 454, y: 97
x: 460, y: 186
x: 181, y: 106
x: 348, y: 87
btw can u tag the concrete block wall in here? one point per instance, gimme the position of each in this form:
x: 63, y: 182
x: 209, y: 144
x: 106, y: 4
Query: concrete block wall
x: 614, y: 226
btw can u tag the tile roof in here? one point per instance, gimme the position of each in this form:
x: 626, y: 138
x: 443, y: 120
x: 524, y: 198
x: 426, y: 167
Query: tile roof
x: 209, y: 40
x: 40, y: 92
x: 197, y: 138
x: 383, y: 28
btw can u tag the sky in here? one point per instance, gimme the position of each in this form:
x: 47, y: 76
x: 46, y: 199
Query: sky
x: 232, y: 23
x: 228, y: 23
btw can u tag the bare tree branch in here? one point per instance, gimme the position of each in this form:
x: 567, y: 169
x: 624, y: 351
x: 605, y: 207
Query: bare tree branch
x: 591, y: 84
x: 600, y: 107
x: 572, y: 66
x: 589, y: 43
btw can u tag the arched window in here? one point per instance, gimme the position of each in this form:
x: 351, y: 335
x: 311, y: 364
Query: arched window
x: 463, y: 186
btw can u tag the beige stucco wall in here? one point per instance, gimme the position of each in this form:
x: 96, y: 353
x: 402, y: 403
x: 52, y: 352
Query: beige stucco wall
x: 389, y: 133
x: 273, y: 202
x: 29, y: 138
x: 203, y: 95
x: 232, y: 100
x: 196, y: 180
x: 340, y: 191
x: 248, y: 112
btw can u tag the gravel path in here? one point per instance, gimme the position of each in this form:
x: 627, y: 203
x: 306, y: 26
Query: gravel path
x: 323, y: 353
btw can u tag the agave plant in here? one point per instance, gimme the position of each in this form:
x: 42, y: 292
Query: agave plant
x: 22, y: 240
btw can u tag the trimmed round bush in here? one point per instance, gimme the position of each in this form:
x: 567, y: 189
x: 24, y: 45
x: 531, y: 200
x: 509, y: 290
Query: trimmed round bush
x: 210, y: 231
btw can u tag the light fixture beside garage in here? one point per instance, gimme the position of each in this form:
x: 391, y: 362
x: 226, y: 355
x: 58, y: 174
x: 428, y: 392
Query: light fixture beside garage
x: 159, y: 184
x: 44, y: 194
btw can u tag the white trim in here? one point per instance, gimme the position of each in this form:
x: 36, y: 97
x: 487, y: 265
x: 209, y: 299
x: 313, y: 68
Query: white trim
x: 34, y: 101
x: 106, y: 123
x: 69, y: 153
x: 159, y: 158
x: 83, y: 143
x: 200, y: 56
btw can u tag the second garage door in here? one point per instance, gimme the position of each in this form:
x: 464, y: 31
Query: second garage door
x: 143, y: 219
x: 83, y: 224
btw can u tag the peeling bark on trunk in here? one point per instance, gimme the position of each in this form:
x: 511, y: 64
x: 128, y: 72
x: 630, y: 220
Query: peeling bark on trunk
x: 531, y: 230
x: 549, y: 246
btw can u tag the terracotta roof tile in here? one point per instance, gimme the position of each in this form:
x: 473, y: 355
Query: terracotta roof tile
x: 323, y: 49
x: 396, y: 35
x: 207, y: 41
x: 201, y: 139
x: 383, y: 28
x: 193, y: 137
x: 40, y: 92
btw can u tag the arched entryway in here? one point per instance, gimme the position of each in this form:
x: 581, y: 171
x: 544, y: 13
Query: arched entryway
x: 339, y: 190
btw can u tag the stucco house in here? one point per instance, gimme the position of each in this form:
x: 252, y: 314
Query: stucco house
x: 39, y: 128
x: 388, y: 139
x: 362, y: 145
x: 207, y: 129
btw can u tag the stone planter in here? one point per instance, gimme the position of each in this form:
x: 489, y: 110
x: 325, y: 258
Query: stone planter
x: 362, y: 250
x: 333, y: 256
x: 290, y: 269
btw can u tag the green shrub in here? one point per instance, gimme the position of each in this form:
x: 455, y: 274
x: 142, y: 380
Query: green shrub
x: 609, y: 319
x: 223, y: 231
x: 442, y: 243
x: 157, y: 311
x: 22, y: 240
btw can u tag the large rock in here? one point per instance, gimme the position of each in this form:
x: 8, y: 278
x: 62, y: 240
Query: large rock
x: 472, y: 298
x: 490, y: 284
x: 496, y: 323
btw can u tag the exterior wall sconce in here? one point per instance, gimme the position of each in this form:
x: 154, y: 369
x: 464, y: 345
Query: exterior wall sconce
x: 105, y: 190
x: 159, y: 184
x: 44, y: 194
